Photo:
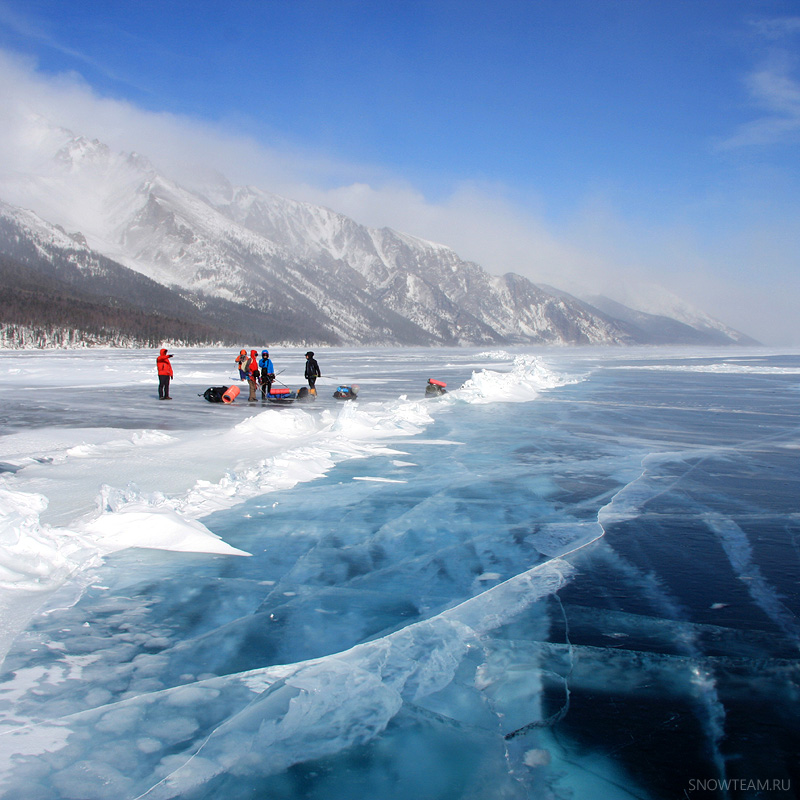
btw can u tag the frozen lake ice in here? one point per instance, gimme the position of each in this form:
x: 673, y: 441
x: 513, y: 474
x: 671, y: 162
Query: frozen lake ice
x: 574, y: 575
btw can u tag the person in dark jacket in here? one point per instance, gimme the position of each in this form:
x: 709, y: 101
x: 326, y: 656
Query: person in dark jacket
x: 312, y: 371
x: 164, y: 368
x: 267, y: 373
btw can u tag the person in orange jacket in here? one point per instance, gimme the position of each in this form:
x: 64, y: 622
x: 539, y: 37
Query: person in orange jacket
x: 241, y: 363
x: 164, y: 368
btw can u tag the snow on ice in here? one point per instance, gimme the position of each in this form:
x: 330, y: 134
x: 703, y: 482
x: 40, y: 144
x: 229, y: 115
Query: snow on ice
x: 516, y: 589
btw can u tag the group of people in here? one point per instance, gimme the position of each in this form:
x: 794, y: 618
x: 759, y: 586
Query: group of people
x: 256, y: 371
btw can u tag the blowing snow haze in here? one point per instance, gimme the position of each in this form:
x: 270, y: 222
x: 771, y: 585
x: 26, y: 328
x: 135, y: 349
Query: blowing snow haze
x: 219, y: 262
x: 640, y: 157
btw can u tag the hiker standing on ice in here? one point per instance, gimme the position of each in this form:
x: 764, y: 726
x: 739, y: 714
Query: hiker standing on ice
x: 267, y: 373
x: 312, y: 371
x: 164, y: 368
x: 241, y: 363
x: 250, y: 367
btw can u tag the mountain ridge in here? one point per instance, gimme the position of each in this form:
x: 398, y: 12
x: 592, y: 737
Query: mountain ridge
x: 327, y: 278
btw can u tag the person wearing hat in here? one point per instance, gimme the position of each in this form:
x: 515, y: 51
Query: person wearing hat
x: 312, y: 371
x: 241, y: 363
x: 267, y: 373
x: 250, y: 367
x: 164, y: 368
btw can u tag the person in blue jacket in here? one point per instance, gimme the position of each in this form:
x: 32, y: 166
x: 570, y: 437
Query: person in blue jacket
x: 267, y: 373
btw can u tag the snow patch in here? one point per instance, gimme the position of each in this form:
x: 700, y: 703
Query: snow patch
x: 155, y: 528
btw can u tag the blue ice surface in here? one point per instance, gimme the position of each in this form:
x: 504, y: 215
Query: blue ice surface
x: 448, y: 636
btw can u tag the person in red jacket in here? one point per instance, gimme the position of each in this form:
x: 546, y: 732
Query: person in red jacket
x: 253, y: 372
x: 164, y: 374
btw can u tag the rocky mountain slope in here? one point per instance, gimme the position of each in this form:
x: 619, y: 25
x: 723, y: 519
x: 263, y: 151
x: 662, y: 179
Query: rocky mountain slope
x: 243, y: 262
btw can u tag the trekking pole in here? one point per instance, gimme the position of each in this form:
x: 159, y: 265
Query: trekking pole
x: 275, y: 379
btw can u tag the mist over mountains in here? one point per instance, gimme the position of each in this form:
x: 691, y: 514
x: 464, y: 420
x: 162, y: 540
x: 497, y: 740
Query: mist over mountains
x: 99, y: 247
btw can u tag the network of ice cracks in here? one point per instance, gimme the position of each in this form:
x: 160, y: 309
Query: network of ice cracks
x: 260, y: 721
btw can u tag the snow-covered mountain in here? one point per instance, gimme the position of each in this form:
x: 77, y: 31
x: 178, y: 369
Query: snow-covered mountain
x: 316, y: 275
x: 54, y: 289
x: 650, y: 300
x: 669, y: 320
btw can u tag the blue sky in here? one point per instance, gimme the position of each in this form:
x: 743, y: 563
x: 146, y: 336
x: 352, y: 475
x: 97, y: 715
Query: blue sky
x: 567, y: 140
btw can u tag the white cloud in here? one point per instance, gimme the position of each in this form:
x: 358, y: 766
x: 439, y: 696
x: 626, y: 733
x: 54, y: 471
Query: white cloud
x: 479, y: 222
x: 778, y: 93
x: 597, y: 250
x: 776, y: 28
x: 24, y: 26
x: 773, y: 87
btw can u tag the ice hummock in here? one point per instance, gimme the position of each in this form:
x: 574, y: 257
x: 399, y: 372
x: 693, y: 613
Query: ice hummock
x: 111, y: 490
x: 101, y: 489
x: 585, y: 592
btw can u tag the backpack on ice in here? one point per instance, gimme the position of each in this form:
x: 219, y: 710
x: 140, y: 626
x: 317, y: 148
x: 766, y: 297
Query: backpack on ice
x: 435, y: 388
x: 346, y: 392
x: 214, y: 393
